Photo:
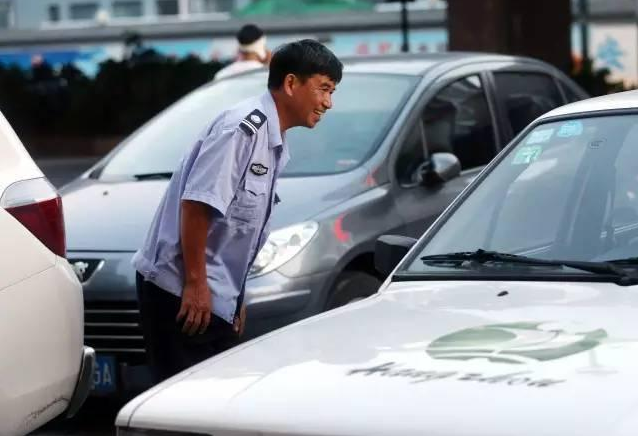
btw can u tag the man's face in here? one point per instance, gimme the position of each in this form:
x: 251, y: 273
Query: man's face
x: 312, y: 99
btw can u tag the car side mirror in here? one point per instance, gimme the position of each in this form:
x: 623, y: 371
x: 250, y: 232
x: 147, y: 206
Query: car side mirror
x: 389, y: 250
x: 441, y: 168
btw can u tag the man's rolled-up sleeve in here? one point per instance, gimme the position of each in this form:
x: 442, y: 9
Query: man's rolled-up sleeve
x: 222, y: 158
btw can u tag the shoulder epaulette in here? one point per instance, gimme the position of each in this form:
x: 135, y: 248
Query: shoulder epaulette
x: 253, y: 122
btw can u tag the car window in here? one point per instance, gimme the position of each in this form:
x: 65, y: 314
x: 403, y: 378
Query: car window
x: 364, y: 106
x: 625, y: 206
x: 457, y: 120
x: 526, y: 96
x: 544, y: 186
x: 567, y: 190
x: 411, y: 156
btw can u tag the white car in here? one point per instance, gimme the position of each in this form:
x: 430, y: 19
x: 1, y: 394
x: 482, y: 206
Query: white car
x: 45, y: 370
x: 516, y: 313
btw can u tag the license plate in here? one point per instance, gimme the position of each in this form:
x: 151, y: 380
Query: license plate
x: 104, y: 375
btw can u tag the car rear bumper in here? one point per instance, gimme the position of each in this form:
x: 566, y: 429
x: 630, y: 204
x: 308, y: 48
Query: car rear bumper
x: 41, y: 356
x: 83, y: 385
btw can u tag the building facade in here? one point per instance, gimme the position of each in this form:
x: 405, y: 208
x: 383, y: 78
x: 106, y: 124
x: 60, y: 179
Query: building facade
x: 46, y: 14
x: 43, y: 14
x: 88, y: 32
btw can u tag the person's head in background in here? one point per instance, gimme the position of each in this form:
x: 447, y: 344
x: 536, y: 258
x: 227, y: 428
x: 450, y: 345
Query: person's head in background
x: 252, y: 44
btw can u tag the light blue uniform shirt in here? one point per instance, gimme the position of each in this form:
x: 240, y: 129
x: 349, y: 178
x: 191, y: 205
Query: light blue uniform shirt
x: 233, y: 168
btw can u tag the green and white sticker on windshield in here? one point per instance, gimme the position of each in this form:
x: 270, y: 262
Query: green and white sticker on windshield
x: 571, y: 128
x: 540, y: 136
x: 528, y: 154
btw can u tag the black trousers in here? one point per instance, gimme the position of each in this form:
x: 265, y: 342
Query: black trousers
x: 169, y: 351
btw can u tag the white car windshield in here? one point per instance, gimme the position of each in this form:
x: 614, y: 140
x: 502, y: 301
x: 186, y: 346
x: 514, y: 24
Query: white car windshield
x: 364, y: 106
x: 567, y: 191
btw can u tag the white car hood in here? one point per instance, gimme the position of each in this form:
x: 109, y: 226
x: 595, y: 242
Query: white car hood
x: 436, y: 358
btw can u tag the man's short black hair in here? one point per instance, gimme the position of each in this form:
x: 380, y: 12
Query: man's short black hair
x: 304, y: 59
x: 249, y: 34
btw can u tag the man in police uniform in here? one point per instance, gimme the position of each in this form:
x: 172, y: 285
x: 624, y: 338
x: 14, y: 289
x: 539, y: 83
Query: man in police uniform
x: 214, y: 216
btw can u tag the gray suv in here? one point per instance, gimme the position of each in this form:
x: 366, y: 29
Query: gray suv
x: 405, y: 136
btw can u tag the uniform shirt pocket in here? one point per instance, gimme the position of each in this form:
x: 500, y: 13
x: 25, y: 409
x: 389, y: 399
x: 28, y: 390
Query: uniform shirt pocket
x: 256, y: 187
x: 249, y: 199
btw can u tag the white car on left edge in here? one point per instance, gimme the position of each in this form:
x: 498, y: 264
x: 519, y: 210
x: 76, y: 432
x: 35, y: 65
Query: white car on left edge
x: 45, y: 370
x: 515, y: 314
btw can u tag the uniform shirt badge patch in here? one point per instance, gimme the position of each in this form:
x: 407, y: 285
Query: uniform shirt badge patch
x: 258, y: 169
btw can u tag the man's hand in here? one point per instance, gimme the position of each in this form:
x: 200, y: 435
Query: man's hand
x: 196, y: 308
x: 240, y: 323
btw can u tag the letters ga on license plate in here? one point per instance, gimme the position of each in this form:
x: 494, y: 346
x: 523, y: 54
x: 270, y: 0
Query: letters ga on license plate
x: 104, y: 374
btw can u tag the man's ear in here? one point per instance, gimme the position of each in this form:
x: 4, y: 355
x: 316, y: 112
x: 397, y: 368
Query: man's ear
x: 290, y: 83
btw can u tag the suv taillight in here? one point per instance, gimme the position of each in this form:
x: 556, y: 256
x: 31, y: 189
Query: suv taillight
x: 37, y: 206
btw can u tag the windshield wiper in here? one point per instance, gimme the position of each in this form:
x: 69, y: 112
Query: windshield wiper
x: 153, y: 176
x: 483, y: 256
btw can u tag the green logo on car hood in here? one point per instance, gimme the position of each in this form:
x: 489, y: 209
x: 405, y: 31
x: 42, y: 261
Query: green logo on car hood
x: 522, y: 342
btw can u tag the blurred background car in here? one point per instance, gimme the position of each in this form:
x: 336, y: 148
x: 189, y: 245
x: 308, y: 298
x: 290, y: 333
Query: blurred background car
x: 45, y: 369
x: 405, y: 136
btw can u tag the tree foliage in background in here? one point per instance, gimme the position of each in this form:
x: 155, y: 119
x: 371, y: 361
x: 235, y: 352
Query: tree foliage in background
x: 595, y: 81
x: 125, y: 94
x: 122, y: 96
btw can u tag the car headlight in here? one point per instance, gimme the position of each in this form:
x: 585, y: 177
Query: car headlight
x: 282, y: 245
